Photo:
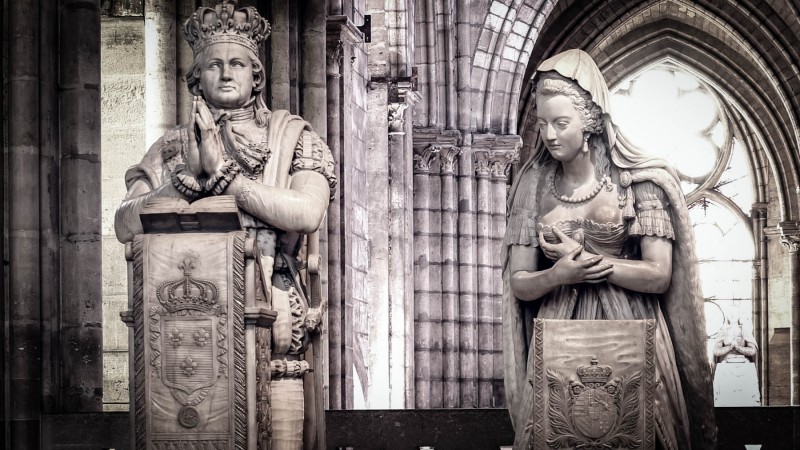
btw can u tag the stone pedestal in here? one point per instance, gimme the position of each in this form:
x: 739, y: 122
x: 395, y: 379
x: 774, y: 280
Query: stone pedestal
x: 201, y: 331
x: 593, y: 384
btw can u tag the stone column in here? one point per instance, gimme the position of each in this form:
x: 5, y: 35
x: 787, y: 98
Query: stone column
x: 485, y: 283
x: 22, y: 304
x: 506, y: 154
x: 400, y: 236
x: 314, y: 70
x: 183, y: 58
x: 467, y: 278
x: 159, y: 61
x: 334, y: 78
x: 790, y: 238
x: 341, y: 35
x: 425, y: 162
x: 49, y: 214
x: 280, y: 87
x: 450, y: 318
x: 761, y: 297
x: 81, y: 245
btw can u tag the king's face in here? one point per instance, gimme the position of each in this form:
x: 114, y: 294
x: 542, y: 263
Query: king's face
x: 226, y: 75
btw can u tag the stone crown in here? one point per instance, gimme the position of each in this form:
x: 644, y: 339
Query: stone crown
x: 188, y: 293
x: 225, y: 23
x: 594, y: 373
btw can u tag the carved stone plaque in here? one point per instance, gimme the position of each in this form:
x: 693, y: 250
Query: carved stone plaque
x: 189, y: 369
x: 593, y: 384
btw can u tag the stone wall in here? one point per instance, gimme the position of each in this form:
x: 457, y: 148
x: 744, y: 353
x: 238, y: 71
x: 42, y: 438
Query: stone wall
x: 123, y: 145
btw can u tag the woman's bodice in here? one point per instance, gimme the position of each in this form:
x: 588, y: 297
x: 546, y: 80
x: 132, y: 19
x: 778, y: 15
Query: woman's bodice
x: 599, y: 238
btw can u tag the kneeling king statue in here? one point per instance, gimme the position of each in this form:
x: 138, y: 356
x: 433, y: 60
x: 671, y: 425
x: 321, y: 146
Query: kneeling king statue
x: 222, y: 308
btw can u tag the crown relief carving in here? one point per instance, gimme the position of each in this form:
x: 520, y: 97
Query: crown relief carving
x: 225, y: 23
x: 188, y: 293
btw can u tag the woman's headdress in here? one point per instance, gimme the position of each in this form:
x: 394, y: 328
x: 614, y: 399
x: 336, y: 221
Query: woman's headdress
x: 577, y: 65
x: 225, y: 23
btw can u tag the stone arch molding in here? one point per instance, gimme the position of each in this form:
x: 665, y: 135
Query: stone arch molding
x: 755, y: 68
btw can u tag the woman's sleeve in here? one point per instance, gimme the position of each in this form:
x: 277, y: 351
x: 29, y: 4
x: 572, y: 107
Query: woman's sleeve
x: 653, y: 217
x: 521, y: 226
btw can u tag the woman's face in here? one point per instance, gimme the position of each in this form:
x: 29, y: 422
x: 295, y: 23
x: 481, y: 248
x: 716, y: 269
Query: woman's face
x: 226, y: 75
x: 560, y: 126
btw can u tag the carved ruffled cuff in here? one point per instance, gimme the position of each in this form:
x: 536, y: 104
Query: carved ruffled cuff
x: 186, y: 183
x: 217, y: 184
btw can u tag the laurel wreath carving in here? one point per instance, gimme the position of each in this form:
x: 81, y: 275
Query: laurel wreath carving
x: 562, y: 432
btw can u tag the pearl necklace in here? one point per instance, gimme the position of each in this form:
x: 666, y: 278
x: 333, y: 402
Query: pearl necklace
x: 551, y: 181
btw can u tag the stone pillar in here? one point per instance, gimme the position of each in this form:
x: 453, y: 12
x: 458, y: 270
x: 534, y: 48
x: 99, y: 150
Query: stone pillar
x: 49, y: 214
x: 761, y: 297
x: 341, y: 35
x: 22, y: 304
x: 493, y: 158
x: 485, y: 283
x: 790, y: 238
x: 280, y: 87
x: 159, y: 60
x: 450, y: 318
x: 467, y: 278
x: 506, y: 154
x: 334, y: 78
x: 425, y: 161
x: 313, y: 46
x: 81, y: 244
x: 183, y: 58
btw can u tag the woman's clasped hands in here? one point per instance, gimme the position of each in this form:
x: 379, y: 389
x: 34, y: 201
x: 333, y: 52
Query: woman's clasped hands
x: 572, y: 264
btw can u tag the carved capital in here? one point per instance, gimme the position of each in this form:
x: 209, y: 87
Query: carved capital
x: 430, y: 139
x: 334, y: 52
x: 494, y: 154
x: 425, y: 159
x: 449, y: 156
x: 397, y: 118
x: 501, y: 161
x: 790, y: 235
x: 792, y: 243
x: 482, y: 163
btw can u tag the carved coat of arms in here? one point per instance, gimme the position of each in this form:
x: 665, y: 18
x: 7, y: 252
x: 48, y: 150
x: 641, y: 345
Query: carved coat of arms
x: 593, y: 385
x: 188, y: 340
x: 594, y: 412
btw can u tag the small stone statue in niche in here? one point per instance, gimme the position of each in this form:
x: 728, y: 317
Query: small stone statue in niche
x: 597, y: 230
x: 277, y: 168
x: 735, y: 376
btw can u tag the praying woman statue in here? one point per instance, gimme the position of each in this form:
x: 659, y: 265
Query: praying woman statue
x: 597, y: 230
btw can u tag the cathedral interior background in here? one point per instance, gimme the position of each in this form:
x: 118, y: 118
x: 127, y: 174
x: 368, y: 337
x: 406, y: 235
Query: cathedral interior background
x: 427, y: 108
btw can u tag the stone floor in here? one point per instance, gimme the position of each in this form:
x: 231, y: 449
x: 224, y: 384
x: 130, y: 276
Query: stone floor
x: 773, y: 428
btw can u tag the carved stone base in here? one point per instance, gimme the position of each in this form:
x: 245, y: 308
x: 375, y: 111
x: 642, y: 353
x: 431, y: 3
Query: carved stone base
x: 593, y: 384
x: 194, y: 315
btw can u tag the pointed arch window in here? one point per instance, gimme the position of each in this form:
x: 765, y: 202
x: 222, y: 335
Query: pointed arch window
x: 671, y: 113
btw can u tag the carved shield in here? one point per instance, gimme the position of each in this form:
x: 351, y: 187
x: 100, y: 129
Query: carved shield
x: 594, y: 413
x: 189, y: 346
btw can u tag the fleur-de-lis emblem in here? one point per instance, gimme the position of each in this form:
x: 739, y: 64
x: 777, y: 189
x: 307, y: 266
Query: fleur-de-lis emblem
x: 176, y: 336
x: 188, y: 366
x: 201, y: 337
